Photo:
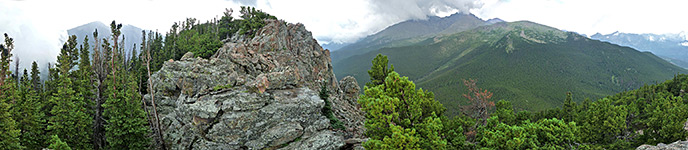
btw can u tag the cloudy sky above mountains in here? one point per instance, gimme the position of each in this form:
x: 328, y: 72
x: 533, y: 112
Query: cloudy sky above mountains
x: 39, y: 26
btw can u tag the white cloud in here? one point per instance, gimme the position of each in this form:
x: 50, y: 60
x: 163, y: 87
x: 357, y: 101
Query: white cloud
x: 592, y: 16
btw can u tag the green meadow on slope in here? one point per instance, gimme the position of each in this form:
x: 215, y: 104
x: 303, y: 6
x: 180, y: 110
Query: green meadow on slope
x: 529, y: 64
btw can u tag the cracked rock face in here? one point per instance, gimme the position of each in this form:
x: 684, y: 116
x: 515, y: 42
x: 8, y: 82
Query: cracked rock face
x: 678, y: 145
x: 259, y: 93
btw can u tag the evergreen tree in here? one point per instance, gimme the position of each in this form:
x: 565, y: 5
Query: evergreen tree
x: 604, y: 123
x: 569, y: 110
x: 29, y: 116
x: 379, y: 71
x: 9, y: 130
x: 666, y: 116
x: 127, y: 125
x: 327, y: 109
x: 453, y: 130
x: 57, y: 144
x: 69, y: 118
x: 36, y: 78
x: 400, y: 117
x: 505, y: 112
x: 543, y: 134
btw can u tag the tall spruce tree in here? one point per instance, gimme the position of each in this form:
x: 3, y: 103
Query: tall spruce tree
x: 70, y: 117
x: 36, y: 78
x: 9, y: 132
x: 29, y: 116
x: 127, y: 125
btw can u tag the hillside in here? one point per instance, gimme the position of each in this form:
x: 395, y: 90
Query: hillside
x: 672, y: 47
x: 410, y: 32
x: 529, y: 64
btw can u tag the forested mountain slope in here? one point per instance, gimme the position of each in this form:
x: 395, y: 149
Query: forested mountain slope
x: 530, y: 64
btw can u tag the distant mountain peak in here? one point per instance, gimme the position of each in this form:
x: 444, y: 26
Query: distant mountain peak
x: 494, y: 20
x: 130, y: 33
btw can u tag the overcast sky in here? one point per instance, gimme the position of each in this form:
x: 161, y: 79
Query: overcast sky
x: 39, y: 26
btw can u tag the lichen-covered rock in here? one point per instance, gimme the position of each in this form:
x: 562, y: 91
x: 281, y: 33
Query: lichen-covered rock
x: 259, y: 93
x: 678, y: 145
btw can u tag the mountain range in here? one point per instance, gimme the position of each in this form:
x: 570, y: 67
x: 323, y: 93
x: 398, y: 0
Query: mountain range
x: 672, y: 47
x: 529, y: 64
x: 411, y: 32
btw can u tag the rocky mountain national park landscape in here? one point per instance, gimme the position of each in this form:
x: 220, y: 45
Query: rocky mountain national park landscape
x: 358, y: 74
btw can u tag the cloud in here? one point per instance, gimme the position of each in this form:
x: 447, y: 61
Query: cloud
x: 348, y: 21
x: 246, y: 2
x: 31, y: 41
x: 421, y: 9
x: 592, y: 16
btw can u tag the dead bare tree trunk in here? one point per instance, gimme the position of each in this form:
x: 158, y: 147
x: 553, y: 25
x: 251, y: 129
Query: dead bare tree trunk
x: 155, y: 109
x: 98, y: 121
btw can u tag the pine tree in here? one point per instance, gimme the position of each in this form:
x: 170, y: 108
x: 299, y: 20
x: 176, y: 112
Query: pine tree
x: 29, y: 116
x: 5, y: 55
x: 57, y: 144
x: 36, y: 78
x: 70, y: 116
x: 9, y: 130
x: 505, y: 112
x: 569, y: 111
x: 127, y: 125
x: 400, y: 117
x: 604, y: 123
x: 379, y: 71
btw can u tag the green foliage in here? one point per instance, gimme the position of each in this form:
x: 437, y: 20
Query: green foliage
x: 69, y: 119
x: 126, y: 123
x: 28, y: 115
x: 57, y: 144
x: 251, y: 21
x: 664, y: 117
x: 605, y: 122
x: 219, y: 87
x: 454, y: 130
x: 9, y: 130
x: 69, y: 113
x: 569, y: 109
x: 543, y: 134
x: 379, y: 71
x: 327, y: 109
x: 36, y: 79
x: 399, y: 116
x: 193, y: 38
x: 505, y: 112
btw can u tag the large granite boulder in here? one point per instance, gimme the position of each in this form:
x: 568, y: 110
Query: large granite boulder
x: 258, y: 93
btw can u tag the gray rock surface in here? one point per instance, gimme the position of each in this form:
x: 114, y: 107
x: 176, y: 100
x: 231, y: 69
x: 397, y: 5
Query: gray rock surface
x: 678, y: 145
x: 259, y: 93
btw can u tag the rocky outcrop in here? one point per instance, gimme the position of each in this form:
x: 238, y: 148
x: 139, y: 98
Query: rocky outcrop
x: 678, y: 145
x: 259, y: 93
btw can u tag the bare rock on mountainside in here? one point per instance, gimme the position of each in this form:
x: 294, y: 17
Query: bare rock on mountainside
x: 258, y: 93
x: 678, y: 145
